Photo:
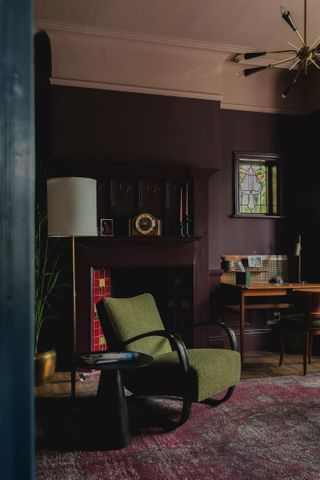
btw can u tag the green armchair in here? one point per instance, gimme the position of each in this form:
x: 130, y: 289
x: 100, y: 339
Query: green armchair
x: 193, y: 374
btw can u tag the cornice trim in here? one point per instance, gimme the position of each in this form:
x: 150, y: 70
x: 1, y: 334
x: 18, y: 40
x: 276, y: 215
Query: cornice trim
x: 176, y: 93
x: 260, y: 108
x: 140, y: 37
x: 134, y: 89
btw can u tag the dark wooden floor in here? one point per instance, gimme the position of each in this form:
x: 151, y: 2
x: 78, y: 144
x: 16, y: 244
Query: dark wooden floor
x: 266, y: 364
x: 257, y: 365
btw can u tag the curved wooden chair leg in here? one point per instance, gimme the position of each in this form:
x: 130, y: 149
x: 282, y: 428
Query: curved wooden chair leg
x: 186, y: 410
x: 282, y: 347
x: 213, y: 402
x: 169, y: 424
x: 159, y: 417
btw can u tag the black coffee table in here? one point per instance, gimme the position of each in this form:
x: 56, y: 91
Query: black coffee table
x: 112, y: 410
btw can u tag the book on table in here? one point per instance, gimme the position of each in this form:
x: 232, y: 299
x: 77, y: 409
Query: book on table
x: 108, y: 357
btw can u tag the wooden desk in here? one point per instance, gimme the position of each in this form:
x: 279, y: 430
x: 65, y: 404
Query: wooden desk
x: 263, y: 289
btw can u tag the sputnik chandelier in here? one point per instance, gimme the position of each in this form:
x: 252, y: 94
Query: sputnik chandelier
x: 301, y: 58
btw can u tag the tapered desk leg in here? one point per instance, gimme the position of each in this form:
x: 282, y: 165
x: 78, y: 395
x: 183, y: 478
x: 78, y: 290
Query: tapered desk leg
x: 113, y: 409
x: 242, y: 321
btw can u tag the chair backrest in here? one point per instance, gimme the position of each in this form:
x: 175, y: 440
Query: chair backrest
x: 312, y: 307
x: 124, y: 318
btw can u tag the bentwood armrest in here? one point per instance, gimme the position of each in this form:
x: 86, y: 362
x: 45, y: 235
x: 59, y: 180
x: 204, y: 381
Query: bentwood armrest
x: 229, y: 331
x: 176, y: 342
x: 231, y: 335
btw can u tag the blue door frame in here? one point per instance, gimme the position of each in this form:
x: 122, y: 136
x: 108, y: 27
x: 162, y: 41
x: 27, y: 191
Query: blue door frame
x: 16, y: 240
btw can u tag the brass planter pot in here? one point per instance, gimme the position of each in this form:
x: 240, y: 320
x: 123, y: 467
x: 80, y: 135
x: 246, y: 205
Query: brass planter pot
x: 45, y: 365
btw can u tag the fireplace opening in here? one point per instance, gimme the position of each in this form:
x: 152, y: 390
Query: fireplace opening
x: 171, y: 287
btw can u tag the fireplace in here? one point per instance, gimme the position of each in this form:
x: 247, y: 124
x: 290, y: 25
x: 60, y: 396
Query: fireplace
x: 172, y: 266
x: 171, y: 287
x: 164, y: 269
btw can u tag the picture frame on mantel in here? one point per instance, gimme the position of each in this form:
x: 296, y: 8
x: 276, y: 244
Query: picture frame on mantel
x: 106, y: 227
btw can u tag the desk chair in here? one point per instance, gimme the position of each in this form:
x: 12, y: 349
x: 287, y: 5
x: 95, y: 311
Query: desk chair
x: 194, y: 375
x: 306, y: 324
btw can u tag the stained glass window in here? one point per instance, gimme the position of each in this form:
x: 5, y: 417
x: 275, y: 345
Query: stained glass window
x: 256, y: 184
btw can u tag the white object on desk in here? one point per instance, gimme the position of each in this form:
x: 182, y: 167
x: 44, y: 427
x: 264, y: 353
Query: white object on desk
x: 240, y: 266
x: 255, y: 261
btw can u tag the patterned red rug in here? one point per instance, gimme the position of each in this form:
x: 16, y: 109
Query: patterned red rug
x: 269, y: 429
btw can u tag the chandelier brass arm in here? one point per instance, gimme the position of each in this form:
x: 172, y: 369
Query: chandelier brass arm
x: 286, y: 92
x: 303, y: 57
x: 248, y: 55
x: 250, y: 71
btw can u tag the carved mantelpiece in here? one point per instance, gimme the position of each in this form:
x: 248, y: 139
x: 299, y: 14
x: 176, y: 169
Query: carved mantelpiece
x: 121, y: 197
x: 127, y: 192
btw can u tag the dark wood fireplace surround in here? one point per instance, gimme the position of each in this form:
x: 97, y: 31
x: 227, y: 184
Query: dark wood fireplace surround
x: 125, y: 191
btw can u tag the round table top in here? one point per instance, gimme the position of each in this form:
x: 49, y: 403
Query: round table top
x: 142, y: 361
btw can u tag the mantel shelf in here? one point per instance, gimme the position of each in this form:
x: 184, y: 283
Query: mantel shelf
x: 138, y: 239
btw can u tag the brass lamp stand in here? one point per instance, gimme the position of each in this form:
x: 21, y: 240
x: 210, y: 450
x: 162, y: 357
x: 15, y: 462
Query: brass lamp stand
x: 74, y: 319
x: 72, y: 212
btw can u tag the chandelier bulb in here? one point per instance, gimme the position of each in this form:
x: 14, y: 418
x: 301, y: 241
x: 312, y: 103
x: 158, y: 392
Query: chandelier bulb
x: 287, y: 18
x: 238, y: 58
x: 283, y: 9
x: 286, y: 92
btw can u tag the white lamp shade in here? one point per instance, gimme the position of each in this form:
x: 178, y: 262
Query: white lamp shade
x: 72, y: 207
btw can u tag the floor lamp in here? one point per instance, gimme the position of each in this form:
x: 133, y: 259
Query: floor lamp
x: 72, y: 212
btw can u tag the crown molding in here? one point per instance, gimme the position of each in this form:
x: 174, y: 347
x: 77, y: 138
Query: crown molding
x: 135, y: 66
x: 41, y: 24
x: 106, y: 59
x: 140, y: 37
x: 62, y: 82
x: 260, y: 108
x: 176, y: 93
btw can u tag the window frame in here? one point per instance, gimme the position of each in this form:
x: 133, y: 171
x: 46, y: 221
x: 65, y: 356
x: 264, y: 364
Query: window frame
x: 270, y: 160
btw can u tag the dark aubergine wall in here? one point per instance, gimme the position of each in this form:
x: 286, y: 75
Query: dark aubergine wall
x: 98, y: 126
x: 249, y: 132
x: 93, y: 127
x: 304, y: 195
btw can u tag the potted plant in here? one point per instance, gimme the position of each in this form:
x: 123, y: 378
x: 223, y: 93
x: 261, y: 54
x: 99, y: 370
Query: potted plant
x: 47, y: 276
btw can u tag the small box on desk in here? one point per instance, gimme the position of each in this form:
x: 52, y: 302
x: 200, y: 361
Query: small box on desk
x: 243, y: 278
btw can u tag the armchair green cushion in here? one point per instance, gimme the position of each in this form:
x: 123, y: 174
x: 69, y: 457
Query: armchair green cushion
x: 128, y: 317
x: 211, y: 370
